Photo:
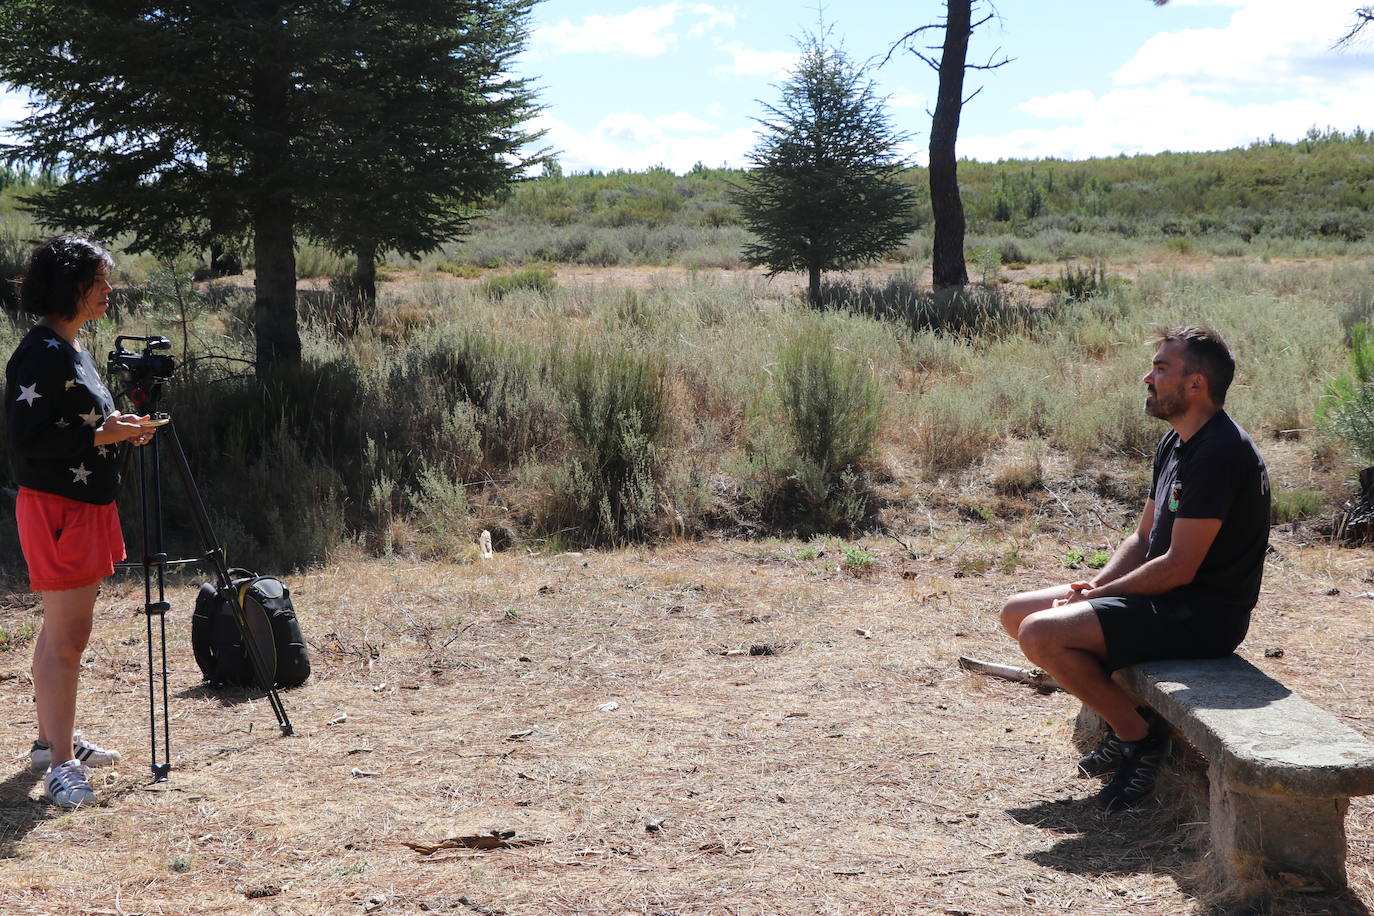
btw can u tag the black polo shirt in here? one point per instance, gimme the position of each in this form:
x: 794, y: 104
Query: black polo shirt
x: 1218, y: 473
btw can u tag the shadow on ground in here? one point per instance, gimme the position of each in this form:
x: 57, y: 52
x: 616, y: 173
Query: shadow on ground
x: 19, y: 814
x: 1166, y: 839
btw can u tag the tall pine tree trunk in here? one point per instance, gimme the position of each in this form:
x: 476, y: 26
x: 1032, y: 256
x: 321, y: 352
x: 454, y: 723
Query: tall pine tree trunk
x: 948, y: 266
x: 278, y: 340
x: 813, y: 284
x: 274, y: 243
x: 365, y: 276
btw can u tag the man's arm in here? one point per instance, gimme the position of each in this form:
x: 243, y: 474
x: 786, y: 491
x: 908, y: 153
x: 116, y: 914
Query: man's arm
x: 1130, y: 554
x: 1192, y: 537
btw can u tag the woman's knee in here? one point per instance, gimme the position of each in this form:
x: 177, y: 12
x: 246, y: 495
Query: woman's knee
x: 64, y: 645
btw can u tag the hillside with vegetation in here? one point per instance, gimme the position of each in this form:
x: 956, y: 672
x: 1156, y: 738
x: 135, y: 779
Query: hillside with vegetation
x: 1315, y: 196
x: 566, y: 412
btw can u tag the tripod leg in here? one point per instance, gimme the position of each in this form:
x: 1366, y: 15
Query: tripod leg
x: 215, y: 553
x: 154, y: 558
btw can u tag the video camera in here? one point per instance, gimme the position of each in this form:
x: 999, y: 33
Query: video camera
x: 142, y: 373
x: 148, y: 365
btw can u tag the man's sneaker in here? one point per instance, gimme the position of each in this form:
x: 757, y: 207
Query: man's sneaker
x: 40, y: 757
x: 1136, y: 772
x: 68, y: 785
x: 1104, y: 759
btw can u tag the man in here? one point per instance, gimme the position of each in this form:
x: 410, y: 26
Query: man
x: 1181, y: 586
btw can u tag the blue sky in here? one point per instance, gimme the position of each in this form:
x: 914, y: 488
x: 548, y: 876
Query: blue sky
x: 630, y: 84
x: 636, y: 83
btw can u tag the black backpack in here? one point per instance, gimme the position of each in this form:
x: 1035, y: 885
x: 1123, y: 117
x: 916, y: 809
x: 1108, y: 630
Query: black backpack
x: 218, y: 642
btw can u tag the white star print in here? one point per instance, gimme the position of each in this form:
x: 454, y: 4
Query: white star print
x: 62, y: 423
x: 71, y: 383
x: 79, y: 473
x: 28, y: 393
x: 104, y: 450
x: 93, y: 418
x: 53, y: 343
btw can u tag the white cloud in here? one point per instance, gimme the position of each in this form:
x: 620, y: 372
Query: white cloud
x: 636, y: 142
x: 1170, y: 116
x: 1267, y: 72
x: 638, y: 128
x: 647, y: 31
x: 1266, y: 45
x: 748, y: 62
x: 13, y: 106
x: 904, y: 98
x: 1060, y: 105
x: 711, y: 18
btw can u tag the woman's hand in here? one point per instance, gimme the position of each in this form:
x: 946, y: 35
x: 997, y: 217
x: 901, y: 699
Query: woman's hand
x: 123, y: 427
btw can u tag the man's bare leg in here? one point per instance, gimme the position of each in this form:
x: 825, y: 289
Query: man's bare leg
x: 1019, y: 607
x: 1067, y: 642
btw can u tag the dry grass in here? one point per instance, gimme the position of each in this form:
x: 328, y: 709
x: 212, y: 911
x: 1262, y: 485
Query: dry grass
x: 854, y: 770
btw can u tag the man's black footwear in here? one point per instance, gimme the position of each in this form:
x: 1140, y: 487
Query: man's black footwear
x: 1104, y: 759
x: 1136, y: 771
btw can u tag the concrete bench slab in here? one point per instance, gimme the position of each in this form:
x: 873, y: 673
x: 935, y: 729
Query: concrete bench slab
x: 1281, y: 770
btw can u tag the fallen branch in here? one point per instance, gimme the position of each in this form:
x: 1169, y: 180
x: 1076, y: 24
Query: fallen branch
x: 494, y: 839
x: 1040, y: 680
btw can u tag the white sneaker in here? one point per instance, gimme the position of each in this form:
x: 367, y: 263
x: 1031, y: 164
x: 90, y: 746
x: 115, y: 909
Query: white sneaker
x: 68, y: 785
x: 40, y: 757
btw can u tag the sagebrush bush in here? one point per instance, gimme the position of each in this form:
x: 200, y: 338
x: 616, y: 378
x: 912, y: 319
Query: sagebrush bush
x: 538, y: 279
x: 1295, y: 505
x: 830, y: 402
x: 966, y: 310
x: 814, y: 429
x: 616, y: 415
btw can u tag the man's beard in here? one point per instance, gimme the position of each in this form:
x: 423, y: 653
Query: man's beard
x: 1164, y: 407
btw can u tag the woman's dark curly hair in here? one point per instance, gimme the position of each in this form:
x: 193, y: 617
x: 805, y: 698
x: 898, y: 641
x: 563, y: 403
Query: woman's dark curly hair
x: 60, y: 272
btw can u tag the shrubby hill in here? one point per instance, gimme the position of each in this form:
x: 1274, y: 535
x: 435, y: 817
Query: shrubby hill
x: 1317, y: 192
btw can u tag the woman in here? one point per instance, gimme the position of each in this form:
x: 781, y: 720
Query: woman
x: 64, y: 434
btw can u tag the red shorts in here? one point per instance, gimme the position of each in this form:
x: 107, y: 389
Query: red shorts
x: 67, y: 543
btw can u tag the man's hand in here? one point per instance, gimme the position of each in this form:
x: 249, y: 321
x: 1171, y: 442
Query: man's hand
x: 1076, y: 590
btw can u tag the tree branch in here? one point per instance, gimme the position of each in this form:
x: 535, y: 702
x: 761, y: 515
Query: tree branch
x: 1363, y: 16
x: 906, y: 38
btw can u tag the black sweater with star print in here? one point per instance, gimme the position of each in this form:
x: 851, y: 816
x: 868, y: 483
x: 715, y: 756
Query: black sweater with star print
x: 54, y: 400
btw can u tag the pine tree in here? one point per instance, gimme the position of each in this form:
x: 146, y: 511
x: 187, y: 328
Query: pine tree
x: 825, y: 191
x: 206, y: 123
x: 431, y: 129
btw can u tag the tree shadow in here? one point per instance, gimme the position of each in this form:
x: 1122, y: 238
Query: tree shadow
x: 19, y: 813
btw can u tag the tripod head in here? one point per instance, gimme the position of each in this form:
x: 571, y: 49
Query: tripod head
x: 142, y: 373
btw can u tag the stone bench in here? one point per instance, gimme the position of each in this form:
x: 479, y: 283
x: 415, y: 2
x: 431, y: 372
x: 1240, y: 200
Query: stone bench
x: 1281, y: 770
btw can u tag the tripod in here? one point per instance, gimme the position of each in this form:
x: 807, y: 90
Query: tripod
x: 144, y: 393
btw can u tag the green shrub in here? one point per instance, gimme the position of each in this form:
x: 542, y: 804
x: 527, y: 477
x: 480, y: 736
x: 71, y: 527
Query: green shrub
x: 831, y: 403
x: 1347, y: 407
x: 1294, y: 505
x: 955, y: 428
x: 814, y: 429
x: 1079, y: 283
x: 616, y: 416
x: 538, y: 279
x: 957, y: 310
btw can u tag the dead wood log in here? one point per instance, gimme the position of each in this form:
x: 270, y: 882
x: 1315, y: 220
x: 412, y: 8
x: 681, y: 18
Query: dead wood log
x: 1040, y: 680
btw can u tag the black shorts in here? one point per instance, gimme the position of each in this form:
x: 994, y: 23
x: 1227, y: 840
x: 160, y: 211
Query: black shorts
x: 1144, y: 628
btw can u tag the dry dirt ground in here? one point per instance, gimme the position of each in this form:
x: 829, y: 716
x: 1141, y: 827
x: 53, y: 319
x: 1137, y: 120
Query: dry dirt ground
x: 714, y: 727
x: 697, y: 728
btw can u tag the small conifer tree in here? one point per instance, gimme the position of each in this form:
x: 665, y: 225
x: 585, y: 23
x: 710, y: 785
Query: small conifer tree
x: 825, y: 191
